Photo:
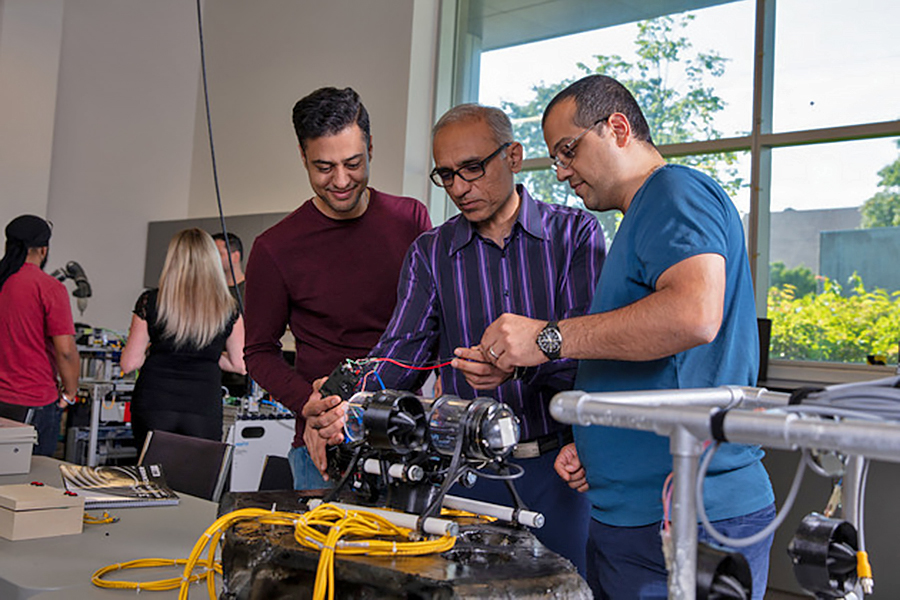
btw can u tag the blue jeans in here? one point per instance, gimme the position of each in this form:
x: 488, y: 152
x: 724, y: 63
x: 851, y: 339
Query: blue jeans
x: 46, y: 420
x: 306, y: 475
x: 627, y: 563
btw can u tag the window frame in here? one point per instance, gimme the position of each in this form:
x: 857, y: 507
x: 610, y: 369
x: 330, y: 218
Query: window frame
x: 458, y: 72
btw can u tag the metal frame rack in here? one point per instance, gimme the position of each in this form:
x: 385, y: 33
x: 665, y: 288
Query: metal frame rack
x: 685, y: 417
x: 102, y: 389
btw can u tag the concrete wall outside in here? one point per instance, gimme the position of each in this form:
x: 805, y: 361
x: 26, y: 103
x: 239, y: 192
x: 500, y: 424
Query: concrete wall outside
x: 870, y: 253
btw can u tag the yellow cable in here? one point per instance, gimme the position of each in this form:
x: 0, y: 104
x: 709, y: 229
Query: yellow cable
x: 146, y: 563
x: 864, y: 571
x: 111, y: 404
x: 326, y: 529
x: 101, y: 520
x: 454, y: 512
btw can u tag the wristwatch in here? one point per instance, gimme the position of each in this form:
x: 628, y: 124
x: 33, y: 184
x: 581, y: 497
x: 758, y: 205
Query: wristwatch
x: 549, y: 340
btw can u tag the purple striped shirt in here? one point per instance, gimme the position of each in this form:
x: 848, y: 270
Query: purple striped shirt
x: 454, y: 283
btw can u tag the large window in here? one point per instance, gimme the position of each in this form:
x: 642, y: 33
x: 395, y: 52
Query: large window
x: 792, y: 107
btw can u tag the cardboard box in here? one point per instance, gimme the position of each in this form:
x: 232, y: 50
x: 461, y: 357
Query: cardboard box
x: 16, y: 443
x: 35, y: 511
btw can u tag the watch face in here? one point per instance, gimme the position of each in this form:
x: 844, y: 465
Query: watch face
x: 549, y: 340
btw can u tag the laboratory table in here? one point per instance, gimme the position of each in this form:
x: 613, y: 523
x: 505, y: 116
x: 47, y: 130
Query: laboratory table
x: 61, y: 567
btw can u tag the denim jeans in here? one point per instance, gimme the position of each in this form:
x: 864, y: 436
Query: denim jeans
x: 627, y: 563
x: 306, y: 475
x: 46, y: 420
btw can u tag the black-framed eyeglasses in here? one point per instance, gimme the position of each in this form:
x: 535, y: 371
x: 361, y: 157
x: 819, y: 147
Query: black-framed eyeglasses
x: 443, y: 177
x: 566, y: 154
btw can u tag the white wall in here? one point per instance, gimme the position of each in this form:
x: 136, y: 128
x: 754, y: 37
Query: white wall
x: 264, y: 56
x: 122, y: 141
x: 30, y: 38
x: 127, y: 124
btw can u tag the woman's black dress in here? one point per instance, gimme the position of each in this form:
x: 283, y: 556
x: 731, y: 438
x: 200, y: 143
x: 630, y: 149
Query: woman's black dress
x: 178, y: 389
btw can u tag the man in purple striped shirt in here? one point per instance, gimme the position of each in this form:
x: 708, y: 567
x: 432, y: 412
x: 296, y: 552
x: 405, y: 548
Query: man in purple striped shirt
x: 505, y: 252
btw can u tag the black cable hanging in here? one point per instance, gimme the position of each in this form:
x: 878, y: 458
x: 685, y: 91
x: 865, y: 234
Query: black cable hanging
x: 212, y: 154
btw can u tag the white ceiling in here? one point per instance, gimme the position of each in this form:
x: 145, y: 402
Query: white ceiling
x: 504, y: 23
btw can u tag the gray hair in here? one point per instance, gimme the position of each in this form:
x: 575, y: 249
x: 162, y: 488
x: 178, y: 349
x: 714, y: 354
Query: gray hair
x: 496, y: 119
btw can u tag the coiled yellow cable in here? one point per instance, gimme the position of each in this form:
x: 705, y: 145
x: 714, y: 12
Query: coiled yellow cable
x: 327, y: 529
x: 152, y: 586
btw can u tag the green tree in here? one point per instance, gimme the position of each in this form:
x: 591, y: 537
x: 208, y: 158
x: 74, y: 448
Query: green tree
x: 883, y: 209
x: 670, y: 82
x: 801, y: 279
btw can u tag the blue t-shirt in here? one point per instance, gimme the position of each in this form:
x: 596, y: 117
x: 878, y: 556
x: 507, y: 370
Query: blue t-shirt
x: 678, y: 213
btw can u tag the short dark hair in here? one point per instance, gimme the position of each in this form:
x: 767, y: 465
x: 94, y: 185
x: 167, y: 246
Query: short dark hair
x: 234, y: 243
x: 598, y: 96
x: 328, y: 111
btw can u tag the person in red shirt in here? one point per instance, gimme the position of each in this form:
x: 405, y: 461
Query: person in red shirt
x: 330, y: 269
x: 37, y: 334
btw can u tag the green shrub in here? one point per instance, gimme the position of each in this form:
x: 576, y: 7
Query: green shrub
x: 831, y: 326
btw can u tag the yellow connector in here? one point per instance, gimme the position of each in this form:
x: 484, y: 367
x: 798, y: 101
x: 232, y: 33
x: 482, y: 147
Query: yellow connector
x: 864, y: 571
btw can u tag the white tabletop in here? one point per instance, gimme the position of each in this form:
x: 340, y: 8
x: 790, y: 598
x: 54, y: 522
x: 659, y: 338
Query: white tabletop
x: 61, y: 567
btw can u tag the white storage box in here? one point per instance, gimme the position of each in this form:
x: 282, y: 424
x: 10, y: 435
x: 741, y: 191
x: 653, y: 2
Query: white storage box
x: 253, y: 440
x: 30, y: 511
x: 17, y: 440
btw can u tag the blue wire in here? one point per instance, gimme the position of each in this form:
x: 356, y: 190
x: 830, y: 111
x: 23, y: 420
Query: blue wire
x: 380, y: 381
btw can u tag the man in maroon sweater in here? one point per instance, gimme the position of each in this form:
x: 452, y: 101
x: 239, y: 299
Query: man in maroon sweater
x: 329, y: 270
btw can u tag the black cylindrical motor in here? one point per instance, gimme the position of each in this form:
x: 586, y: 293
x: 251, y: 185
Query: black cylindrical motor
x: 824, y: 555
x: 722, y: 575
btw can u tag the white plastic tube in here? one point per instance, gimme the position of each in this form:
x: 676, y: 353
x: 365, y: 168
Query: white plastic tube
x: 528, y: 518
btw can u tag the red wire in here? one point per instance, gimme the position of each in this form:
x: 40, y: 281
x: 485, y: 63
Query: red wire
x: 400, y: 364
x: 667, y: 500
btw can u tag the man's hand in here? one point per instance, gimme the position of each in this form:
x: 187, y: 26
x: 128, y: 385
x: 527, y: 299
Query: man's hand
x: 479, y: 373
x: 511, y: 341
x: 324, y: 425
x: 325, y: 416
x: 65, y: 400
x: 316, y: 446
x: 569, y: 468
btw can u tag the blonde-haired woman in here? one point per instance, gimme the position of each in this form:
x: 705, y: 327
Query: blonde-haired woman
x: 182, y: 334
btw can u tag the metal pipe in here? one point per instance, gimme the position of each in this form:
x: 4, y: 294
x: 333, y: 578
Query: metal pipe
x: 877, y: 440
x: 725, y: 395
x: 775, y: 429
x: 850, y: 490
x: 93, y: 433
x: 686, y: 450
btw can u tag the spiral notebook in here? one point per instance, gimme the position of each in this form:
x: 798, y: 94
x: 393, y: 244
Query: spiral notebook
x: 118, y: 486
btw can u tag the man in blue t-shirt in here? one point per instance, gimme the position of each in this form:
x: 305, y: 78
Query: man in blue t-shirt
x: 673, y: 308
